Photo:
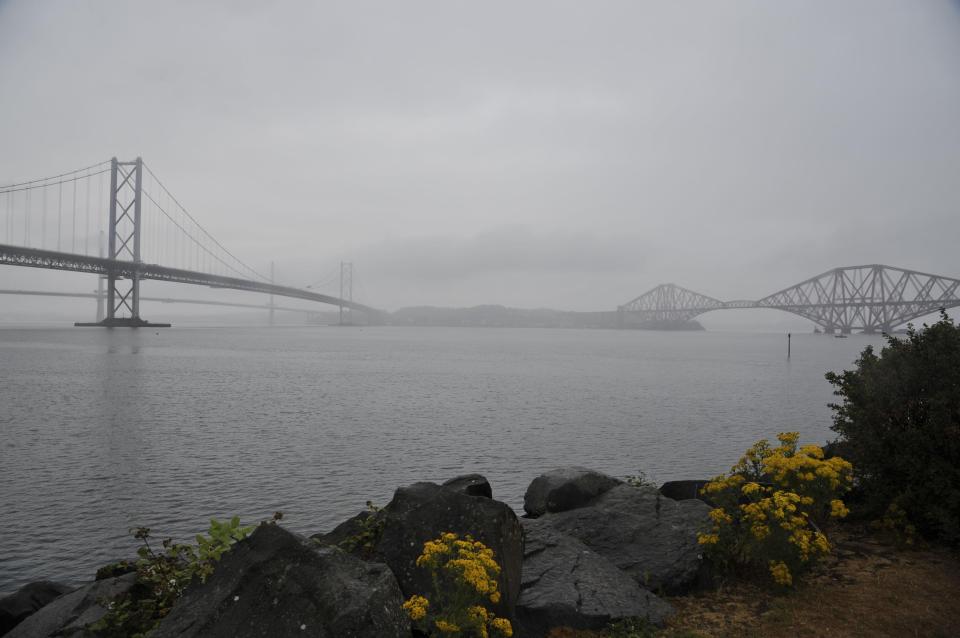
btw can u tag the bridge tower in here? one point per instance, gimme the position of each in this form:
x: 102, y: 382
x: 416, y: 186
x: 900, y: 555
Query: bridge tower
x: 123, y: 241
x: 346, y: 291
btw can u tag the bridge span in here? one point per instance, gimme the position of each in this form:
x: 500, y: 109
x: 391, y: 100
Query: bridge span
x: 53, y: 223
x: 30, y: 257
x: 872, y: 298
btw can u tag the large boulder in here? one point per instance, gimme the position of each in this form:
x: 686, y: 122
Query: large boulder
x: 565, y: 488
x: 276, y: 583
x: 68, y: 615
x: 651, y: 537
x: 422, y: 512
x: 565, y: 584
x: 471, y: 485
x: 26, y: 601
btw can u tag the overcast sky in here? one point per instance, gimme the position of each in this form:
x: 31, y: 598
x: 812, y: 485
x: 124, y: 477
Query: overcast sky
x: 535, y: 154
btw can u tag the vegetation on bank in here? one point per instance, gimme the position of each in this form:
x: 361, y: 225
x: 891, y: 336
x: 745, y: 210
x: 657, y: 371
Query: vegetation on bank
x: 898, y: 455
x: 464, y: 574
x: 162, y: 574
x: 899, y: 423
x: 772, y: 507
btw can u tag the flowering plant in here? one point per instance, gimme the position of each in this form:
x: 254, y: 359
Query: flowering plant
x: 464, y: 575
x: 771, y: 506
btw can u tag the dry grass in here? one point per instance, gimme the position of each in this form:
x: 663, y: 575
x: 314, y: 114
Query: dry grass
x: 867, y: 588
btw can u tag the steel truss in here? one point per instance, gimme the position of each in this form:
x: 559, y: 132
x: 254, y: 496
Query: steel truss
x: 873, y: 298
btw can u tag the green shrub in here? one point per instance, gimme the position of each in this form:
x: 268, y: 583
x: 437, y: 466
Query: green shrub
x: 899, y: 423
x: 369, y: 530
x: 162, y: 576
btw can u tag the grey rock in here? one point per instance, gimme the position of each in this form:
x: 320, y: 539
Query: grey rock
x: 565, y: 584
x: 565, y: 489
x: 276, y: 583
x: 423, y: 511
x: 471, y: 485
x: 651, y: 537
x: 685, y: 490
x: 26, y: 601
x: 67, y: 616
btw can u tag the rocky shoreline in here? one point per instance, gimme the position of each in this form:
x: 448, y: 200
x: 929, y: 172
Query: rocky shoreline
x: 589, y: 550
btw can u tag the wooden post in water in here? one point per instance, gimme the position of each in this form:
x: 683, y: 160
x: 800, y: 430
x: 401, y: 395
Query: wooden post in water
x: 788, y: 345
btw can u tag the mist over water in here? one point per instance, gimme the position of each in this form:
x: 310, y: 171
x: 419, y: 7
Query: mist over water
x: 109, y: 429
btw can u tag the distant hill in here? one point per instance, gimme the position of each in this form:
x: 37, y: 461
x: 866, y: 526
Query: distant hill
x: 501, y: 316
x: 496, y: 316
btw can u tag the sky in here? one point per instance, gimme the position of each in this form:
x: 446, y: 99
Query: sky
x: 568, y: 155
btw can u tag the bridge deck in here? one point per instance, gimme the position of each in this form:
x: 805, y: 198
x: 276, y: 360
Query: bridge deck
x: 53, y: 260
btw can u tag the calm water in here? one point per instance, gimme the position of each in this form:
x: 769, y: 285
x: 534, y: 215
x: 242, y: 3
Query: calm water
x: 105, y: 430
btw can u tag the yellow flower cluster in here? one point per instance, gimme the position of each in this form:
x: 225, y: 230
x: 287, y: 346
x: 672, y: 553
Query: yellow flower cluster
x: 447, y: 627
x: 838, y: 509
x: 769, y: 504
x: 465, y: 578
x: 708, y: 539
x: 475, y: 565
x: 416, y: 607
x: 503, y: 626
x: 781, y: 573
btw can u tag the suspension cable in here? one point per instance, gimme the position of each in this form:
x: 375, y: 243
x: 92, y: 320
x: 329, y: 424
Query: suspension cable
x: 212, y: 238
x: 191, y: 238
x: 48, y: 179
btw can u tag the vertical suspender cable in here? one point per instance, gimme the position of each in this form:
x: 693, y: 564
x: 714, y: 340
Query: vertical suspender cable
x: 73, y: 233
x: 59, y: 213
x: 86, y: 230
x: 100, y: 202
x: 26, y: 220
x: 43, y: 221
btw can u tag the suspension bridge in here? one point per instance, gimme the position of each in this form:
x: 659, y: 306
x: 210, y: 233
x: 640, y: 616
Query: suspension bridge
x: 873, y: 298
x: 59, y: 223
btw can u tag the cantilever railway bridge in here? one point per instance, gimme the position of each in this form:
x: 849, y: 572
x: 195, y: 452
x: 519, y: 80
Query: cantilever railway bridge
x: 57, y: 223
x: 873, y: 298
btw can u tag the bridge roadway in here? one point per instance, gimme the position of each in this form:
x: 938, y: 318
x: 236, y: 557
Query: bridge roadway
x: 53, y: 260
x: 199, y: 302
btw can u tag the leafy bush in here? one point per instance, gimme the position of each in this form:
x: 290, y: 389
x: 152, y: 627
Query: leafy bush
x: 370, y: 529
x: 899, y: 422
x: 163, y: 574
x: 464, y: 575
x: 772, y: 505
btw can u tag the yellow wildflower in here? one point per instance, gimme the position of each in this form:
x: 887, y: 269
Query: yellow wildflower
x: 760, y: 532
x: 750, y: 488
x: 821, y: 543
x: 416, y: 607
x: 476, y: 612
x: 780, y: 573
x: 708, y: 539
x: 447, y: 627
x: 719, y: 517
x: 838, y: 509
x: 503, y: 626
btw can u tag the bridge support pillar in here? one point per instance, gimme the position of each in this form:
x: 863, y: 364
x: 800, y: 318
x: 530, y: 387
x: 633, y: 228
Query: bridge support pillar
x: 346, y: 292
x: 123, y: 289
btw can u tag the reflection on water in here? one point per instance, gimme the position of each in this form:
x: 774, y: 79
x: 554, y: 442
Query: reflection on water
x: 104, y: 430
